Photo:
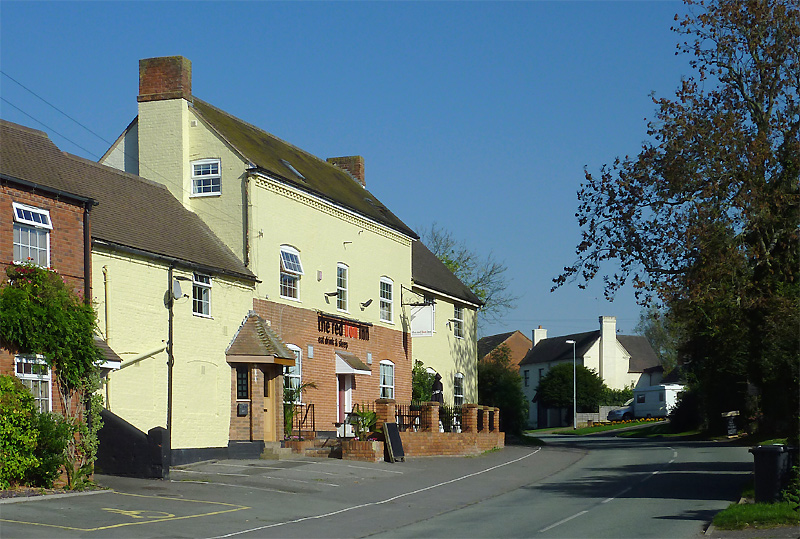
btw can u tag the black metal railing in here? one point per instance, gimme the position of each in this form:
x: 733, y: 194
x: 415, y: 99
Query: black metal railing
x: 450, y: 418
x: 408, y: 417
x: 304, y: 420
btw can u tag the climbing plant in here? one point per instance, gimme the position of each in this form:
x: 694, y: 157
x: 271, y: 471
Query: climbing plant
x: 40, y: 314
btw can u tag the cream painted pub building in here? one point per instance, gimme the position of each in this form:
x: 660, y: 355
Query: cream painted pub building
x: 333, y: 264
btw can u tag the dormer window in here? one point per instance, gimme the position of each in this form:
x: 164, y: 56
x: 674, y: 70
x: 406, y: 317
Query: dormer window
x: 206, y: 177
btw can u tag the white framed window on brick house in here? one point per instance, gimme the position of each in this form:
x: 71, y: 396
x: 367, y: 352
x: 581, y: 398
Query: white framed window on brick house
x: 35, y: 375
x: 291, y: 271
x: 292, y: 376
x: 387, y: 379
x: 342, y: 272
x: 458, y: 389
x: 201, y: 295
x: 387, y: 300
x: 458, y: 321
x: 32, y: 228
x: 206, y: 177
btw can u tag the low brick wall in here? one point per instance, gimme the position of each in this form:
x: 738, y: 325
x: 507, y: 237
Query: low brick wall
x: 298, y: 446
x: 364, y: 451
x: 429, y: 444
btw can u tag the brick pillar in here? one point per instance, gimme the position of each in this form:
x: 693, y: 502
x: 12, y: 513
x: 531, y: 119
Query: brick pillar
x: 469, y: 418
x: 497, y: 419
x: 386, y: 411
x: 429, y: 418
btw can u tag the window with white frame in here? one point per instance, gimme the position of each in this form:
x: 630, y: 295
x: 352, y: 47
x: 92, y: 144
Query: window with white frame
x: 35, y: 375
x: 32, y: 228
x: 387, y: 301
x: 206, y: 177
x: 387, y: 379
x: 458, y: 321
x: 291, y: 271
x: 341, y: 286
x: 201, y: 295
x: 293, y: 375
x: 458, y: 389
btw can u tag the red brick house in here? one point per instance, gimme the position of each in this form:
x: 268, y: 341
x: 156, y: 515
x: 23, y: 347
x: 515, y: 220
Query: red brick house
x: 44, y: 223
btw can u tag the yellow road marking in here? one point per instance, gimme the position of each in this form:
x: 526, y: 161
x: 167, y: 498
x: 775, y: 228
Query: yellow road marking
x: 139, y: 514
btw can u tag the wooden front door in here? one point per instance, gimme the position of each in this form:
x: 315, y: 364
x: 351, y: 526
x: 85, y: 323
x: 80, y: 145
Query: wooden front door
x: 271, y: 401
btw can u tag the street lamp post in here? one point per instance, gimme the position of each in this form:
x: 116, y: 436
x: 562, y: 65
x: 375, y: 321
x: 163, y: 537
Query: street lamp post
x: 574, y: 389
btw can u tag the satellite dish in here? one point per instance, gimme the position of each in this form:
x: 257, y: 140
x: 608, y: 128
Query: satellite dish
x: 176, y: 290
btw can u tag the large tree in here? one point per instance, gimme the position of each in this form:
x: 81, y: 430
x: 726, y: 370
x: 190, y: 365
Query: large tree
x: 555, y: 389
x: 705, y: 218
x: 500, y: 385
x: 483, y: 274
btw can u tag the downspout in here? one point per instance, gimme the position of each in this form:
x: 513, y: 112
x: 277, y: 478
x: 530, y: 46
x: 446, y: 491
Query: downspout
x: 106, y: 281
x: 246, y: 219
x: 87, y: 252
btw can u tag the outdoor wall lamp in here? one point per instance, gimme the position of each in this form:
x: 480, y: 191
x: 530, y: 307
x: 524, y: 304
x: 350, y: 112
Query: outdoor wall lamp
x: 366, y: 304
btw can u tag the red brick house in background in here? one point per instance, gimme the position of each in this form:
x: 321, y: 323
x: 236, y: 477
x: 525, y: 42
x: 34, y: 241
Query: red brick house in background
x: 49, y: 227
x: 515, y: 340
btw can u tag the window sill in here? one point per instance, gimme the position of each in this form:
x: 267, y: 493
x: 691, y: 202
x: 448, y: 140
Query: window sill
x: 206, y: 316
x: 202, y: 195
x: 287, y: 298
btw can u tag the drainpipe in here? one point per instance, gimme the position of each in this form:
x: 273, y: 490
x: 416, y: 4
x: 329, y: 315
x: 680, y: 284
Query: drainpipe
x: 87, y: 253
x: 170, y: 358
x: 246, y: 216
x: 106, y: 281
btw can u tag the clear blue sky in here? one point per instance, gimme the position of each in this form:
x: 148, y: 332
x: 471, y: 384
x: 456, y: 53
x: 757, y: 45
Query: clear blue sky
x: 477, y: 116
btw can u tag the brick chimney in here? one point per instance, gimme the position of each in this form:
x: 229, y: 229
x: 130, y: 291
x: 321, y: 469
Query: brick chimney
x: 168, y: 77
x: 354, y: 164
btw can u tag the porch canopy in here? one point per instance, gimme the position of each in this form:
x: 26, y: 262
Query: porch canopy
x: 348, y: 363
x: 256, y: 342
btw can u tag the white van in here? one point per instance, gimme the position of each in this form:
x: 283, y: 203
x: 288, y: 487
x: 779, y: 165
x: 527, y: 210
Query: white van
x: 655, y: 401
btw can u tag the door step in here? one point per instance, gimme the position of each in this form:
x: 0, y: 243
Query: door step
x: 274, y: 451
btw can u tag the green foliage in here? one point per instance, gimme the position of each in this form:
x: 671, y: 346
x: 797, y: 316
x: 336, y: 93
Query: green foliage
x: 791, y: 494
x: 615, y: 397
x: 500, y: 385
x: 704, y: 219
x: 687, y: 415
x: 421, y: 383
x: 739, y: 516
x: 54, y: 433
x: 365, y: 423
x: 555, y: 389
x: 18, y: 434
x: 39, y: 314
x: 663, y: 332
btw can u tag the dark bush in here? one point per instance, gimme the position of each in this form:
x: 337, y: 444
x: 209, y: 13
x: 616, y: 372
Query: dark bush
x: 18, y: 434
x: 687, y: 414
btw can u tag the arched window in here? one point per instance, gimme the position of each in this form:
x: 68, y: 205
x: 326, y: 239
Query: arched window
x: 458, y: 389
x: 292, y: 376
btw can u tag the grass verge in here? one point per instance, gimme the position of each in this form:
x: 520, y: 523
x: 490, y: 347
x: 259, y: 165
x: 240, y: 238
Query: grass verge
x: 739, y: 516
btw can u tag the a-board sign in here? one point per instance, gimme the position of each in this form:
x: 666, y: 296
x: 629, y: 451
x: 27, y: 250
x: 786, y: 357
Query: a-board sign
x: 394, y: 444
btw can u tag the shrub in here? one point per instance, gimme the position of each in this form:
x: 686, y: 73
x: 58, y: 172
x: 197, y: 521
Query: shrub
x: 54, y: 436
x: 18, y: 433
x: 686, y: 415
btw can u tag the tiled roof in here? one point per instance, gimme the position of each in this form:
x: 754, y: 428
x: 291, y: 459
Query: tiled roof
x: 271, y: 155
x: 256, y: 338
x: 557, y: 348
x: 643, y: 357
x: 132, y: 212
x: 428, y: 271
x: 490, y: 342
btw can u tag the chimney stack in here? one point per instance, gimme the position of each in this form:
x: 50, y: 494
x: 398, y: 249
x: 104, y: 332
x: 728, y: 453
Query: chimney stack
x: 539, y: 334
x: 354, y: 164
x: 167, y: 77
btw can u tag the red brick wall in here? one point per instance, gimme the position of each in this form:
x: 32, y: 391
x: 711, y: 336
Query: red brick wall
x: 66, y: 248
x: 165, y: 78
x: 299, y: 327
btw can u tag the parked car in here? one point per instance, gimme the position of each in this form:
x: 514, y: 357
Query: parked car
x: 622, y: 414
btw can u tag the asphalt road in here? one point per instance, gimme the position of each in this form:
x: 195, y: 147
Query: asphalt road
x: 598, y: 487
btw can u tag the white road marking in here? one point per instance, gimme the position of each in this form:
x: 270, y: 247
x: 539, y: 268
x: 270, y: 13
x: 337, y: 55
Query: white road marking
x: 370, y: 504
x: 560, y: 522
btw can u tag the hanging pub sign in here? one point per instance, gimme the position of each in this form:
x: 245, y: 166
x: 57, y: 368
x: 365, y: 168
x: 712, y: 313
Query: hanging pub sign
x: 336, y: 330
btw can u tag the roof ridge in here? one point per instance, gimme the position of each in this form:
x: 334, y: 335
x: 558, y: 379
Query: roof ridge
x: 279, y: 139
